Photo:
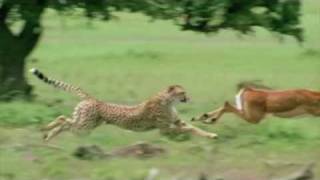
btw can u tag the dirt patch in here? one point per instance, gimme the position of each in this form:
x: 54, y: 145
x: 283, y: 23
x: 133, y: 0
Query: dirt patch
x: 306, y: 173
x: 138, y: 150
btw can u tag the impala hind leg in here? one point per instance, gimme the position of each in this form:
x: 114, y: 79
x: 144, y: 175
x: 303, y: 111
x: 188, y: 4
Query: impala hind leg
x: 227, y: 108
x: 295, y: 112
x: 204, y: 117
x: 314, y: 111
x: 252, y: 114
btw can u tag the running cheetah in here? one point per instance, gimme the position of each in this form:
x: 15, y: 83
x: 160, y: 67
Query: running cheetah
x: 158, y: 112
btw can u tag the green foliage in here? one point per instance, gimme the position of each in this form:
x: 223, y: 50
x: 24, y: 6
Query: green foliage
x: 21, y: 113
x: 206, y: 16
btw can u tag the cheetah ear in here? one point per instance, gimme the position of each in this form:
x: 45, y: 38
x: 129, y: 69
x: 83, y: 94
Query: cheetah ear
x: 171, y: 88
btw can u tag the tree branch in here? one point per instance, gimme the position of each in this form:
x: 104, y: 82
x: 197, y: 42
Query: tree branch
x: 4, y: 30
x: 32, y: 30
x: 4, y: 11
x: 32, y: 23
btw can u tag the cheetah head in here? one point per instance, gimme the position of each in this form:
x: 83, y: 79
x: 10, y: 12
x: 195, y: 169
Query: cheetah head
x: 176, y: 93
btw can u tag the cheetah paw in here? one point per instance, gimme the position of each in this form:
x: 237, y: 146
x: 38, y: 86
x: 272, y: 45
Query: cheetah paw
x: 212, y: 136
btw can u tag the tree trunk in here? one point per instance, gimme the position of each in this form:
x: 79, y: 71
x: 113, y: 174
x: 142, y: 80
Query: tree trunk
x: 14, y: 49
x: 12, y: 80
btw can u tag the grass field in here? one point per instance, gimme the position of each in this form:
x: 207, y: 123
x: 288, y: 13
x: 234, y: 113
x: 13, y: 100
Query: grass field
x: 129, y: 60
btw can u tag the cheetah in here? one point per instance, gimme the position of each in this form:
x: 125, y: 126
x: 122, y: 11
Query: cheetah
x: 157, y: 112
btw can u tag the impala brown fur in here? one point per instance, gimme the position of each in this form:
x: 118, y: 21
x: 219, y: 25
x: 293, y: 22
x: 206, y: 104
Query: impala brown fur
x: 252, y: 104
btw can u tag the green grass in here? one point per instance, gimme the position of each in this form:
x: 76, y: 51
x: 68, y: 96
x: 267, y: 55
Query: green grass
x: 129, y: 60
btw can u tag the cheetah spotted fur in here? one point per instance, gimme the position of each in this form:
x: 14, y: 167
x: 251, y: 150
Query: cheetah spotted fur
x: 157, y: 112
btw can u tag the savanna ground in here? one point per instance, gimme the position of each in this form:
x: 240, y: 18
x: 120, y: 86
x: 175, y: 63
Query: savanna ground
x: 129, y: 60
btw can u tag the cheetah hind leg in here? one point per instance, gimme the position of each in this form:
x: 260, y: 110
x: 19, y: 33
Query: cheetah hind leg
x: 56, y: 127
x: 57, y: 122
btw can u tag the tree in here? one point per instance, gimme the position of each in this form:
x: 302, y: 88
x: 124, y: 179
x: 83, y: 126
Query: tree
x: 206, y: 16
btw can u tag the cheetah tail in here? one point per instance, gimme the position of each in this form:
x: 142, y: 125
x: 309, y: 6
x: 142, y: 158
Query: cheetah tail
x: 59, y: 84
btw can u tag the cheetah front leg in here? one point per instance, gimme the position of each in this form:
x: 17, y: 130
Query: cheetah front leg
x: 184, y: 127
x: 181, y: 127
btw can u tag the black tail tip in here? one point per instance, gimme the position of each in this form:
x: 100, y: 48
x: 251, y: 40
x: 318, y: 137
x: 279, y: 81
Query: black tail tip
x: 37, y: 73
x: 34, y: 71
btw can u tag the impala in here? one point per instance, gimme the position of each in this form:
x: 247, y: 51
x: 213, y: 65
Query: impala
x: 252, y: 104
